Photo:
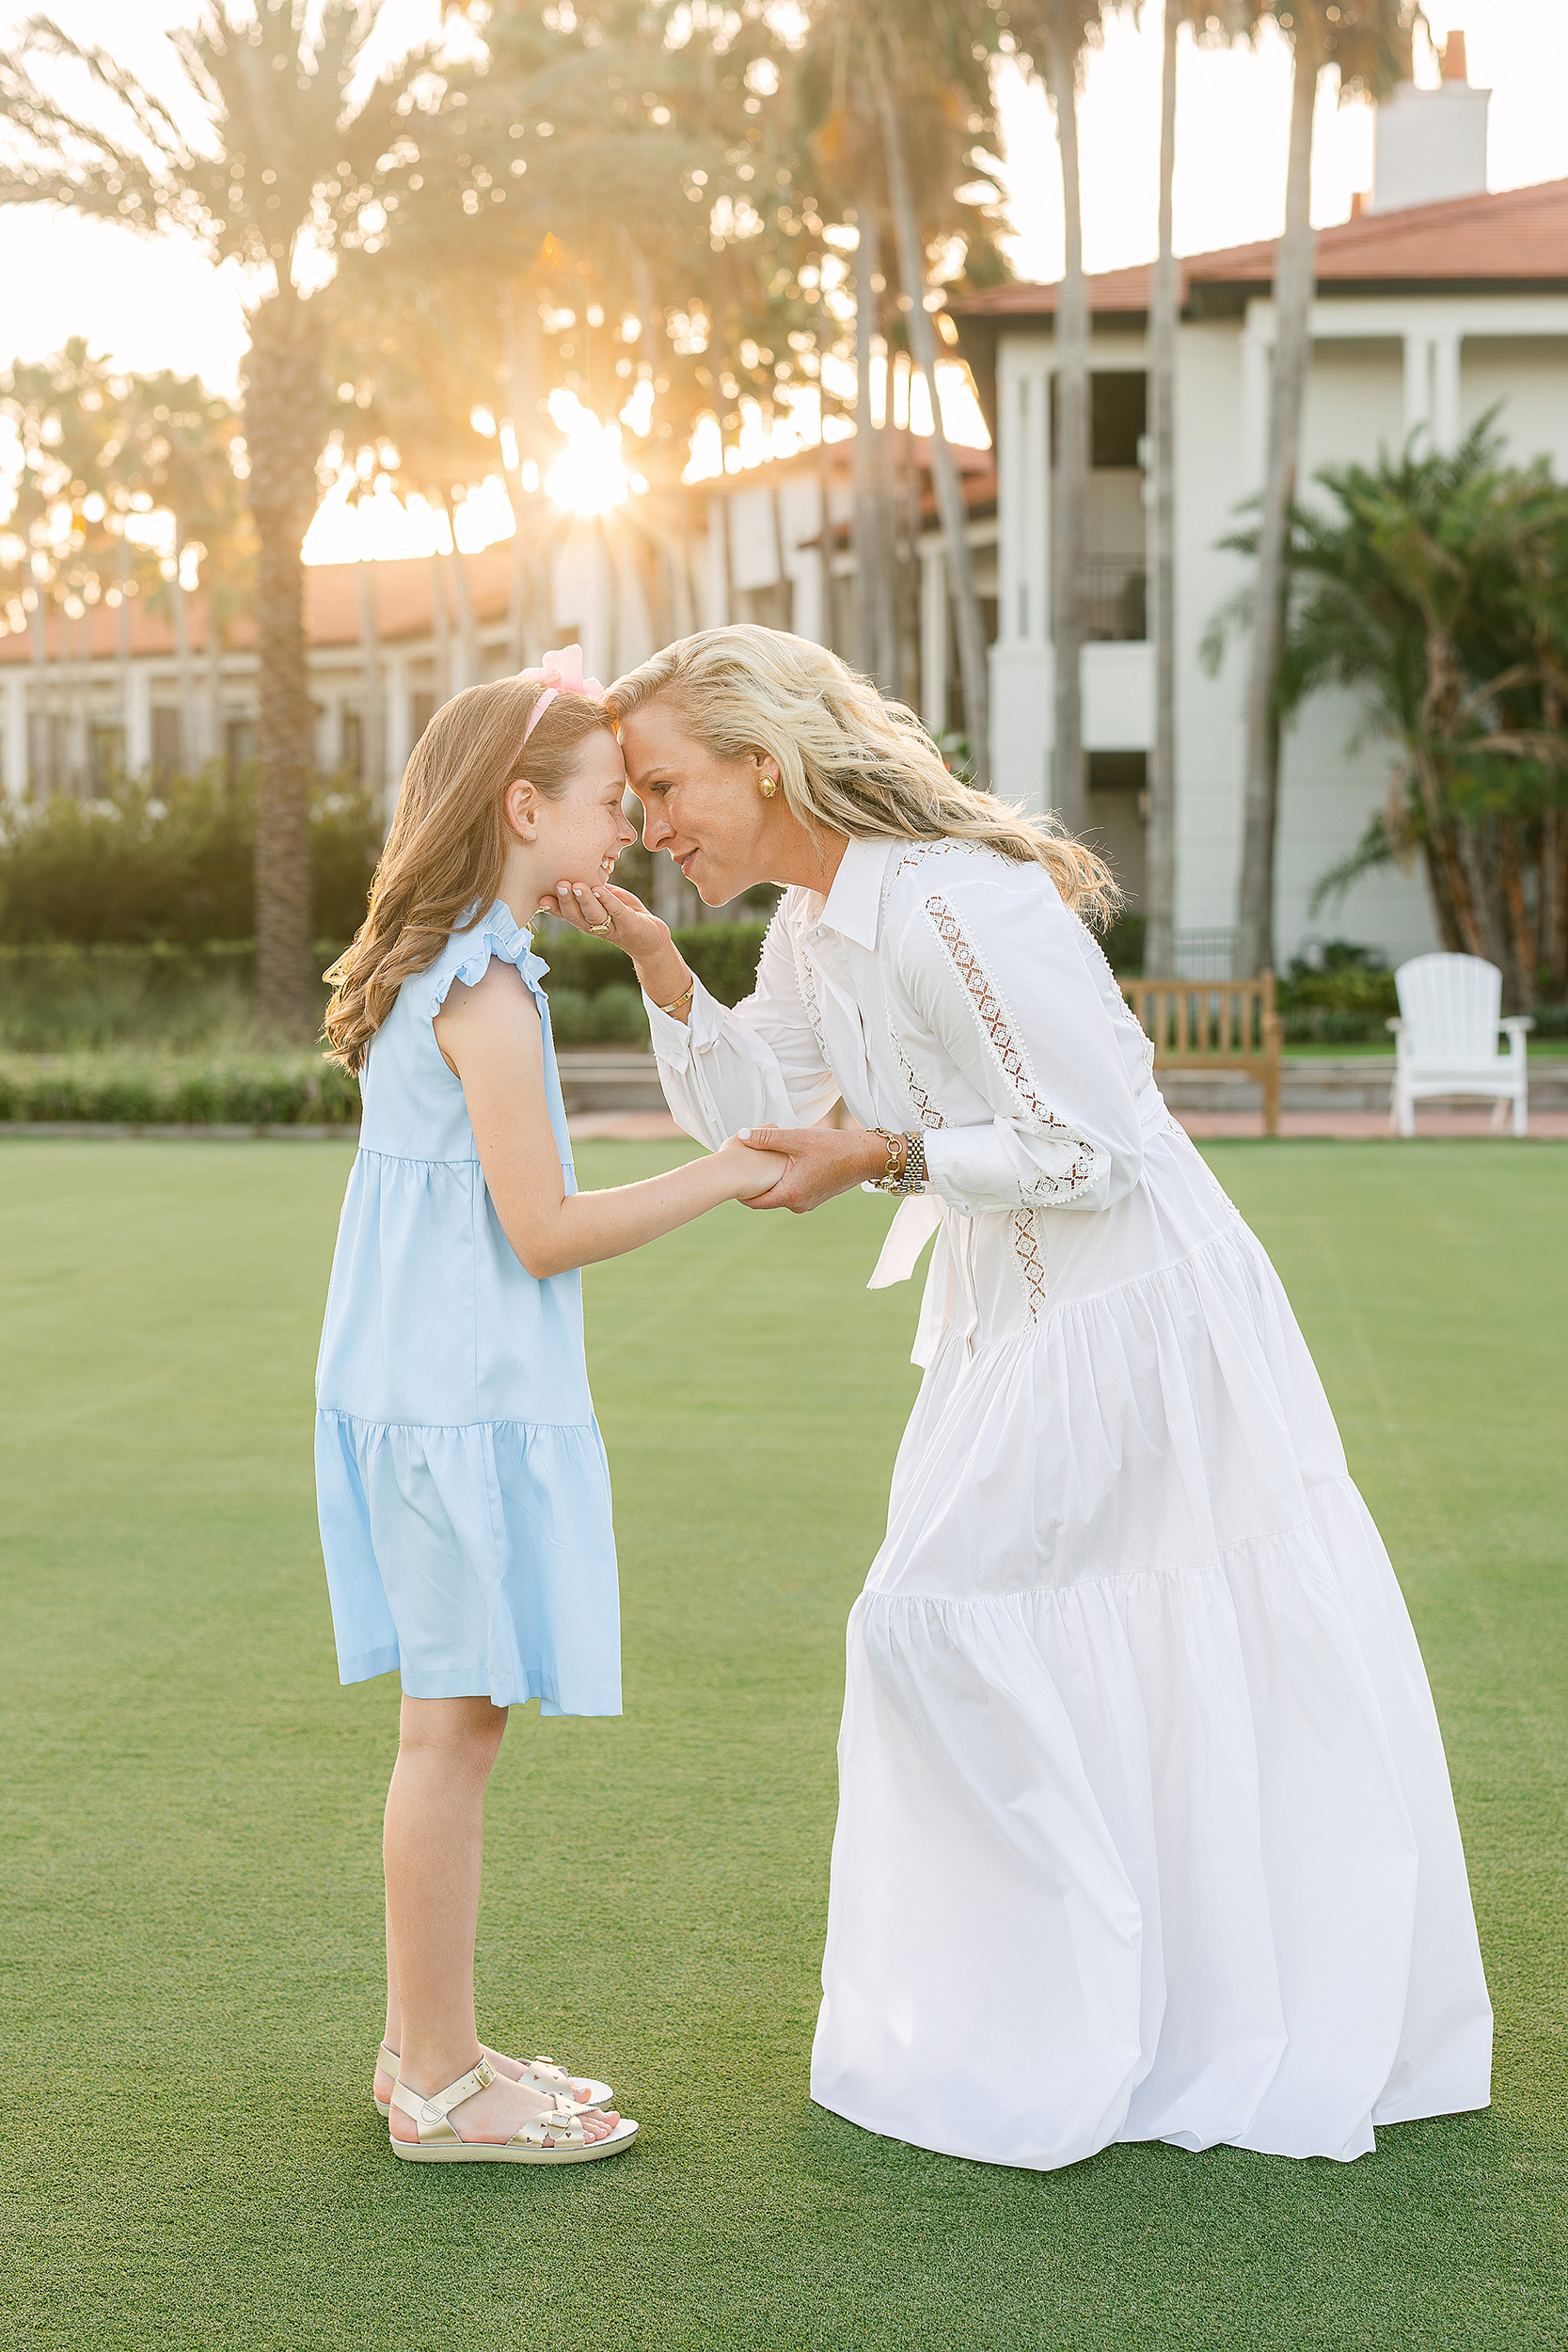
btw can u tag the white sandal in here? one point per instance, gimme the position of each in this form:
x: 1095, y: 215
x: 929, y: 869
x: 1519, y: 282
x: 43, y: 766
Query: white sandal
x: 541, y: 2074
x: 557, y: 2138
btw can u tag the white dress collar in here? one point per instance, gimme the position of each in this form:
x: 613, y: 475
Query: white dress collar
x: 853, y: 906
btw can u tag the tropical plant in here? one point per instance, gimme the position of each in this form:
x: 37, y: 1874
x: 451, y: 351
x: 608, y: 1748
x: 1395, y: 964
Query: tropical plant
x: 877, y: 82
x: 1369, y: 43
x: 1434, y: 586
x: 289, y: 170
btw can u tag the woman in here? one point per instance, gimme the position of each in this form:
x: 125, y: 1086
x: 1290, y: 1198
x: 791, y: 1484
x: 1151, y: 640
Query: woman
x: 1145, y: 1829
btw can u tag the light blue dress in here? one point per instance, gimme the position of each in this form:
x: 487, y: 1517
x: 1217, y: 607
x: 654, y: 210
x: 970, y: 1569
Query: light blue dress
x: 461, y: 1479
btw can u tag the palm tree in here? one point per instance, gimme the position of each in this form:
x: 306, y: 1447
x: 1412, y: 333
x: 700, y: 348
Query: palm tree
x: 1432, y: 587
x: 1207, y: 20
x: 1368, y: 42
x: 1057, y: 33
x: 286, y: 171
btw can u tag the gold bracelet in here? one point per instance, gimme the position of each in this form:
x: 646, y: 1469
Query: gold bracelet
x: 888, y: 1180
x: 683, y: 999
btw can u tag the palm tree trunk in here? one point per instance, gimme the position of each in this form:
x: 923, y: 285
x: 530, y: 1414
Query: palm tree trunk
x: 40, y: 718
x: 282, y: 411
x: 188, y: 761
x: 1159, y: 862
x: 462, y: 597
x: 372, y: 763
x: 122, y: 652
x: 1522, y: 955
x: 1069, y: 522
x: 1554, y: 894
x: 973, y: 656
x: 1293, y: 357
x: 522, y: 375
x: 215, y: 746
x: 875, y: 648
x: 441, y: 625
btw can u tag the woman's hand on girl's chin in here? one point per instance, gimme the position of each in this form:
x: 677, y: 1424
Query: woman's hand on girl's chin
x: 589, y: 906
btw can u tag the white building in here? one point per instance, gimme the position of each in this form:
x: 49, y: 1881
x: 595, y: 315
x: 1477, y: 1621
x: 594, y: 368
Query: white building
x: 1426, y: 316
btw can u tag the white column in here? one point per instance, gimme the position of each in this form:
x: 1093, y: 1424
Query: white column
x: 1417, y: 384
x: 16, y: 739
x: 718, y: 562
x: 598, y: 622
x: 1445, y: 391
x: 139, y: 721
x: 1256, y: 361
x: 1021, y: 676
x: 399, y: 725
x: 933, y: 637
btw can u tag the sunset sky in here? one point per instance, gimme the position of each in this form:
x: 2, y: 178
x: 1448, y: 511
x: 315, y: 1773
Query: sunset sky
x: 163, y: 305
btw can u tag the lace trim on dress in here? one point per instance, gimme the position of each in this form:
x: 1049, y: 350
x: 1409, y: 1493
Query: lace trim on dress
x: 996, y: 1023
x: 1031, y: 1263
x: 805, y: 980
x: 929, y: 1114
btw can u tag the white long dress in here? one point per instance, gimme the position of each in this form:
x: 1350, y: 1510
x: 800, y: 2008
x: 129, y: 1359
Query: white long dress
x: 1145, y: 1827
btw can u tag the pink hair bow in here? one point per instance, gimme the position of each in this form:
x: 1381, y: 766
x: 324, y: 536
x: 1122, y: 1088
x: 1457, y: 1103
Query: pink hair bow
x: 559, y: 673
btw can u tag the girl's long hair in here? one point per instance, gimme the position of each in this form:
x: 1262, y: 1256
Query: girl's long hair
x: 446, y: 853
x: 850, y: 762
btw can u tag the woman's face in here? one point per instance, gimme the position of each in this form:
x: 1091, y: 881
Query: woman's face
x: 578, y: 835
x: 710, y: 813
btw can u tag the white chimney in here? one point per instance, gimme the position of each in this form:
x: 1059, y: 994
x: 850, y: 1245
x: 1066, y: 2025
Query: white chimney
x: 1431, y: 144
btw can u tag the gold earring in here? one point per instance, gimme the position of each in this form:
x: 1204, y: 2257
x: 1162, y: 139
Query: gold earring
x: 770, y: 786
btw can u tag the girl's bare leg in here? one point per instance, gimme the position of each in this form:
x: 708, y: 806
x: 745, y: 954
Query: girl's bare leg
x: 434, y: 1850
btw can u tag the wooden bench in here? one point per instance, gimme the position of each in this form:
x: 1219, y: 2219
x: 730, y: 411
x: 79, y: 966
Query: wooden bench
x: 1214, y: 1024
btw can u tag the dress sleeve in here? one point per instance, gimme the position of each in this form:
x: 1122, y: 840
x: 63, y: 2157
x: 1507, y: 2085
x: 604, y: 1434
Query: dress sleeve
x: 761, y: 1063
x: 993, y: 978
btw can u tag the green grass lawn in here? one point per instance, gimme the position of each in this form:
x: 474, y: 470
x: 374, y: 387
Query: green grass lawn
x: 190, y: 1933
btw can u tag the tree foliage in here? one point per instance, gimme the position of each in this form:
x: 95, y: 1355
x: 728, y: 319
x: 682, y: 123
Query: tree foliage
x: 1433, y: 586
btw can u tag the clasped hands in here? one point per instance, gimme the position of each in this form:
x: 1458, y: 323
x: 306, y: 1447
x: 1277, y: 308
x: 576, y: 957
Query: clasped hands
x: 820, y: 1162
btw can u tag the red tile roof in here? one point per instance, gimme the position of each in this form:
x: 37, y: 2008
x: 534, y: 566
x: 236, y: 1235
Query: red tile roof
x: 403, y: 608
x: 1516, y: 237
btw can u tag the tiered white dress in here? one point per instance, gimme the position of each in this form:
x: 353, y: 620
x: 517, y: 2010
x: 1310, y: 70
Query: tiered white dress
x: 1145, y: 1827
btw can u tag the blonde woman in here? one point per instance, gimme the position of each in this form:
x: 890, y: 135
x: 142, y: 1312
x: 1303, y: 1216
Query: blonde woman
x: 1145, y: 1829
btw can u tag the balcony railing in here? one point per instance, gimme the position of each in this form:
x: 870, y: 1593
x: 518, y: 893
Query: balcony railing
x: 1115, y: 599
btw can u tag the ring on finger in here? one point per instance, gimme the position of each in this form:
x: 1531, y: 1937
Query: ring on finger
x: 599, y: 929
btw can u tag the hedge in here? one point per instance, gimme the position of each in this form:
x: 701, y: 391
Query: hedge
x: 257, y: 1091
x: 171, y: 861
x: 55, y: 994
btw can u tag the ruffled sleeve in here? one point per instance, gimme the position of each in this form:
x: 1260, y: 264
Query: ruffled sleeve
x: 467, y: 954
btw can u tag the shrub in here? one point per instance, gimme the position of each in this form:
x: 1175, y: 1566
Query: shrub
x: 254, y: 1091
x: 722, y: 955
x: 174, y: 863
x: 1344, y: 999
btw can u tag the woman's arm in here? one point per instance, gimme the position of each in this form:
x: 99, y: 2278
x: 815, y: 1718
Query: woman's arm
x: 990, y: 977
x: 990, y: 970
x: 720, y: 1068
x: 490, y: 1036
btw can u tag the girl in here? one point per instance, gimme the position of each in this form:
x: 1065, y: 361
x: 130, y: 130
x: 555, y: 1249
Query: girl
x: 461, y: 1479
x: 1145, y: 1830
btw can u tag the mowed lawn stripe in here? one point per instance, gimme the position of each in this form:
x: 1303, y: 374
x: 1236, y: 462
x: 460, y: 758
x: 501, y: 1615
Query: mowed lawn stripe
x: 190, y: 1955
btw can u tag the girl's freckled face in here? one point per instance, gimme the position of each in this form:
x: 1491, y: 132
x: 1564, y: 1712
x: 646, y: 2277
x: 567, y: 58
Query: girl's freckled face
x: 582, y: 834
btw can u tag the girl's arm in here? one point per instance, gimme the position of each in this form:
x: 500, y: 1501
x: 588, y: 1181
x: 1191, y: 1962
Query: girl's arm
x: 490, y: 1037
x: 720, y: 1068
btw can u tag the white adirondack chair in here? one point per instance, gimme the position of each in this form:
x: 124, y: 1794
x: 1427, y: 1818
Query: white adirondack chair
x: 1446, y: 1040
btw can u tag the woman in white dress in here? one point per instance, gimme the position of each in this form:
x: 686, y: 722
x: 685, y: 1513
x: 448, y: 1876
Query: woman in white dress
x: 1145, y: 1829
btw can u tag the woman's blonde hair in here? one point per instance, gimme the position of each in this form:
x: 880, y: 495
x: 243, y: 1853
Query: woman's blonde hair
x: 446, y: 853
x: 850, y: 762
